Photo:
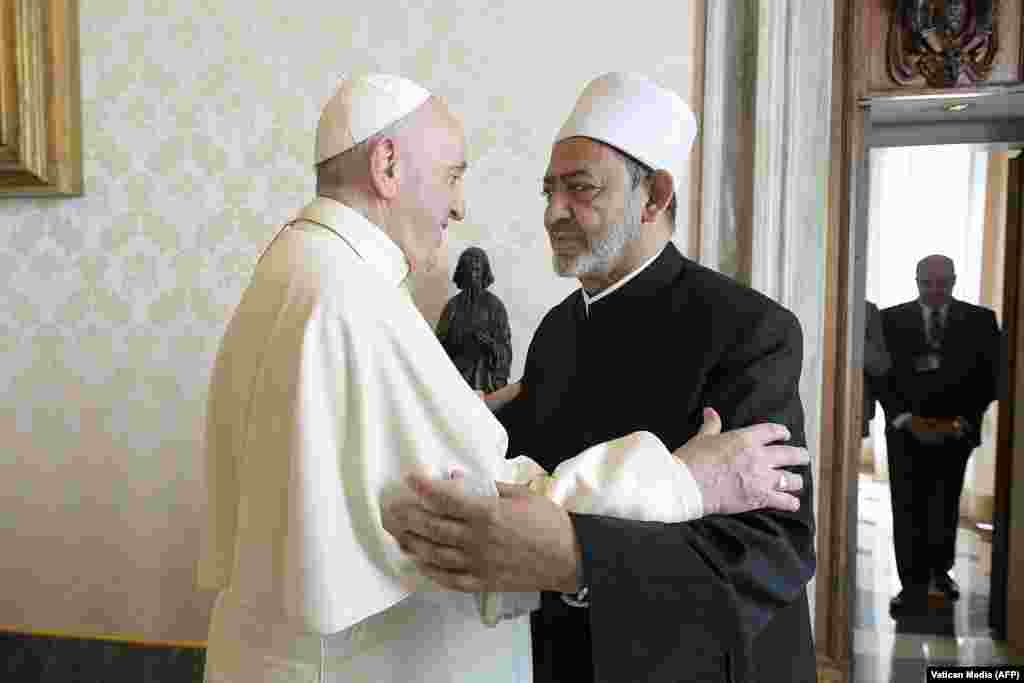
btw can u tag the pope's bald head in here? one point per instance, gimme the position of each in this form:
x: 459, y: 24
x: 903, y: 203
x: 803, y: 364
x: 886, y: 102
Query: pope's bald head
x: 429, y: 127
x: 351, y: 167
x: 362, y: 109
x: 406, y: 179
x: 411, y: 136
x: 362, y: 106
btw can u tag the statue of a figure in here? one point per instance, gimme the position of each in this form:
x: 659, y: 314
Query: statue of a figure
x: 473, y: 328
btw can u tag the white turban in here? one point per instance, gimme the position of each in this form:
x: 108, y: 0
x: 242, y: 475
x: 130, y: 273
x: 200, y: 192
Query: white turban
x: 363, y: 106
x: 638, y: 117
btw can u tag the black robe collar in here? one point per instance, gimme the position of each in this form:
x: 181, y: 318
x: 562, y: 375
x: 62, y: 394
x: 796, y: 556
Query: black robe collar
x: 626, y: 300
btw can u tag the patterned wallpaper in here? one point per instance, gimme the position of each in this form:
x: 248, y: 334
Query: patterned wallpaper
x: 198, y: 133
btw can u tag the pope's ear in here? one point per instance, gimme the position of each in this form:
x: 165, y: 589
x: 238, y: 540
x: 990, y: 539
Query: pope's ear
x: 384, y: 167
x: 659, y: 195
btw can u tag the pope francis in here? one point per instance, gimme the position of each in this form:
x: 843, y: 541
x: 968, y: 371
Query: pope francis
x: 329, y: 388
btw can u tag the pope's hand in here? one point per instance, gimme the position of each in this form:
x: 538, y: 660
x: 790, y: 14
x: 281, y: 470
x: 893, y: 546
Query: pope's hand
x: 519, y: 541
x: 739, y: 471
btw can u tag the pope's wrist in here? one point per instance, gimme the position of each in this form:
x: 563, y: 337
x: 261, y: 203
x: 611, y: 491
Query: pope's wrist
x: 574, y: 577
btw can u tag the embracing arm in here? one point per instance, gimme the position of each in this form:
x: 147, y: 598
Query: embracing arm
x: 498, y: 399
x: 729, y: 574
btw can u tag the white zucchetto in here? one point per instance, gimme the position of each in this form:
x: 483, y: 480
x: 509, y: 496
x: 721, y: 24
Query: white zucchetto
x: 362, y: 106
x: 637, y: 116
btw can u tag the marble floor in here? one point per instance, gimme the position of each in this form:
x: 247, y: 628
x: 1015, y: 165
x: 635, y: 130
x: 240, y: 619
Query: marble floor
x: 957, y: 633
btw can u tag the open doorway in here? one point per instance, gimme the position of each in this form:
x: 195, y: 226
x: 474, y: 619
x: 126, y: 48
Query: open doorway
x: 926, y: 200
x: 942, y: 199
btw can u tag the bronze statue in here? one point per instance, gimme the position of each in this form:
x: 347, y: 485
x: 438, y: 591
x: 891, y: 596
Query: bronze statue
x: 474, y: 328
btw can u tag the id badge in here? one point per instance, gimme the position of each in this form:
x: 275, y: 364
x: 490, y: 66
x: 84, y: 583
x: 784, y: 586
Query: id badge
x: 928, y: 362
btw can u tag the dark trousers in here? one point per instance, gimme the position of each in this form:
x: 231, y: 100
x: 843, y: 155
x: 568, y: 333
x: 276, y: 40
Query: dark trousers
x: 926, y: 482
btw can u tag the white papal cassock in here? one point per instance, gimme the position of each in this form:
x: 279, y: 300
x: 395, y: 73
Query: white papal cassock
x: 328, y: 387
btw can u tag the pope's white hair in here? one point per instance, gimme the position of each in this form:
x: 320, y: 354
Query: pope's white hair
x: 350, y: 166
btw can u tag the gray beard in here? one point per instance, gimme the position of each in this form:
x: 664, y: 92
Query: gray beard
x: 605, y: 251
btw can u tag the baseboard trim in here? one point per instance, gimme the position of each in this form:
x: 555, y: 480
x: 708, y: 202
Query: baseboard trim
x: 110, y: 637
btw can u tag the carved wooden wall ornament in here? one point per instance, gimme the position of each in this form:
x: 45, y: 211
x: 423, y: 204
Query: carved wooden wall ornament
x: 947, y: 42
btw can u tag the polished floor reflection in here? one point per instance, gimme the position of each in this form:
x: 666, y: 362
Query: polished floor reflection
x: 949, y: 633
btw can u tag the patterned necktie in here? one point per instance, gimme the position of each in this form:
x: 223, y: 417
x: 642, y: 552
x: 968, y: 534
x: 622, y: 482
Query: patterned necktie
x: 938, y: 332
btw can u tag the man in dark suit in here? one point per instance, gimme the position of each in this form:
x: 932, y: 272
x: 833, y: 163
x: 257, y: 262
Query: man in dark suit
x: 648, y: 341
x: 945, y: 364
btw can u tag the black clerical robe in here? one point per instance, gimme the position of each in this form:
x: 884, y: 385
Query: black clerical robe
x: 718, y: 599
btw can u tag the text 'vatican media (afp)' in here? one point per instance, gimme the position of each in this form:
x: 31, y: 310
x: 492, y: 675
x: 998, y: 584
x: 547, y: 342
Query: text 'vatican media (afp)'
x: 975, y: 673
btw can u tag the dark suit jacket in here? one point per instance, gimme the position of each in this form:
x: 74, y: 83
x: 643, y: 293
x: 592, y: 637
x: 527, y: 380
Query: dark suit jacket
x: 721, y: 598
x: 966, y: 382
x: 877, y: 361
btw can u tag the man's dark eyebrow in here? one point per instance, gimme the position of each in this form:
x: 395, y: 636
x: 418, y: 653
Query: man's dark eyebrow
x: 567, y: 176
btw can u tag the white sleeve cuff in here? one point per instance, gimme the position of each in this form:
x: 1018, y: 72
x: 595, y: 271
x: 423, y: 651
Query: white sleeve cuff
x: 633, y: 477
x: 690, y: 491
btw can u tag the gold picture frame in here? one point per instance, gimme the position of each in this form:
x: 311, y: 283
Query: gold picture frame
x: 40, y: 100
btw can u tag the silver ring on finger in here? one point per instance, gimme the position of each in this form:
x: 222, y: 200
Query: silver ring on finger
x: 782, y: 481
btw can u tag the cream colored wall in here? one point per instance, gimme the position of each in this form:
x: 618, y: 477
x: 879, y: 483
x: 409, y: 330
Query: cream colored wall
x: 198, y: 126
